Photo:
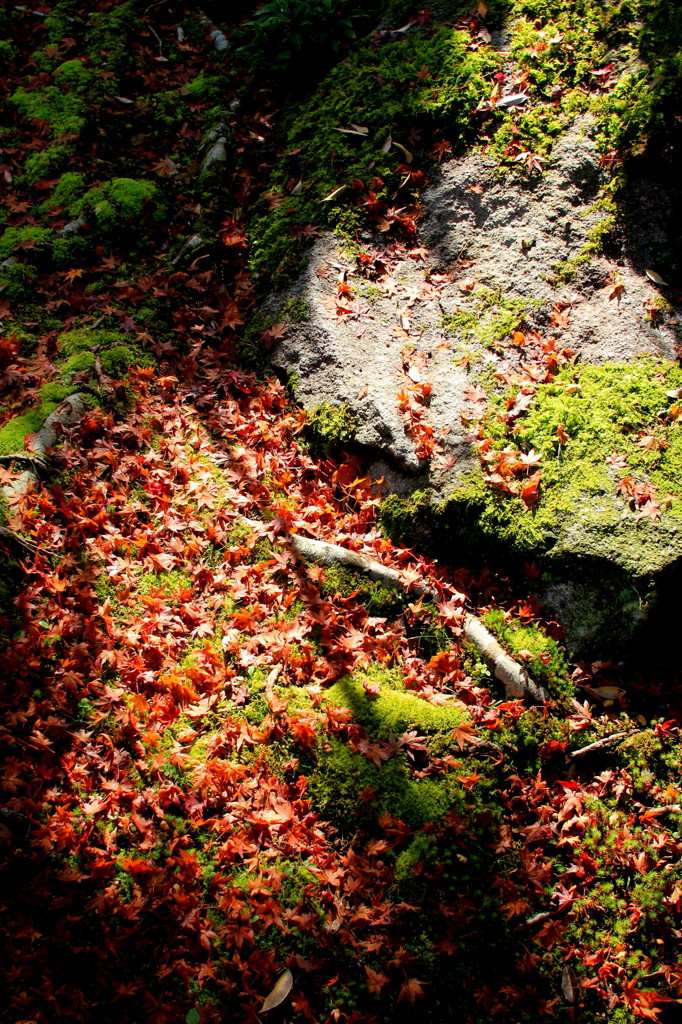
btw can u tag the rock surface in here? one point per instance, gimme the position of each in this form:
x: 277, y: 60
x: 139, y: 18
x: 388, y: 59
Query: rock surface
x: 488, y: 250
x: 500, y: 237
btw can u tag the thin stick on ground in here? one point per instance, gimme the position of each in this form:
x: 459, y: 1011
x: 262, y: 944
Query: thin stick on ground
x: 516, y: 681
x: 602, y: 744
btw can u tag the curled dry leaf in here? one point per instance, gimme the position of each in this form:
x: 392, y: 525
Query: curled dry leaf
x: 355, y: 129
x: 334, y: 193
x: 280, y: 991
x: 406, y: 153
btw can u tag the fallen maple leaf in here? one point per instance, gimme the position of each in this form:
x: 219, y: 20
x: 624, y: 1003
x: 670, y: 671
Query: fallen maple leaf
x: 616, y: 287
x: 375, y: 980
x: 463, y: 734
x: 412, y: 990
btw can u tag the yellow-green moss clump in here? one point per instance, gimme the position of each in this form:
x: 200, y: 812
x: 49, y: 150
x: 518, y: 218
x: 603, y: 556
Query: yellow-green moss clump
x: 393, y: 709
x: 378, y: 600
x: 5, y: 510
x: 117, y: 353
x: 344, y: 784
x: 118, y: 202
x: 76, y: 369
x: 12, y: 434
x: 533, y: 648
x: 329, y: 425
x: 490, y: 319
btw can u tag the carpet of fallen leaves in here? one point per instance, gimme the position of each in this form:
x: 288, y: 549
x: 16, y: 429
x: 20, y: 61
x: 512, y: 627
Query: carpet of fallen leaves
x: 162, y: 856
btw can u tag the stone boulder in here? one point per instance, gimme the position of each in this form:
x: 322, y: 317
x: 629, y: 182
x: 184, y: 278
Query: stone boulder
x: 493, y: 252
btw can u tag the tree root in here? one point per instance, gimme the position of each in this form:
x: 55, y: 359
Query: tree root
x: 517, y: 682
x: 70, y: 411
x: 606, y: 741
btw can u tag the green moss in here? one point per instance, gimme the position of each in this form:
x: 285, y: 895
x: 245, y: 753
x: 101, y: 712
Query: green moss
x: 76, y: 77
x: 16, y: 282
x: 163, y: 112
x: 345, y: 786
x: 536, y: 651
x: 377, y: 599
x: 329, y: 425
x: 68, y: 190
x: 167, y: 584
x: 208, y: 87
x: 108, y: 36
x: 296, y: 310
x: 421, y: 79
x: 532, y: 730
x: 116, y: 361
x: 116, y: 351
x: 408, y: 519
x: 54, y: 392
x: 21, y: 239
x: 64, y: 112
x: 83, y: 340
x: 117, y: 203
x: 8, y: 52
x: 12, y: 434
x: 649, y: 759
x: 423, y: 850
x: 45, y: 164
x: 393, y: 709
x: 5, y: 513
x: 487, y: 317
x: 567, y: 269
x: 604, y: 410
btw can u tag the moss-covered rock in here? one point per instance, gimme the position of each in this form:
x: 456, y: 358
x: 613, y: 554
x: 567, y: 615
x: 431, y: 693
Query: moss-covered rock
x: 12, y: 434
x: 607, y: 518
x: 116, y: 204
x: 424, y: 77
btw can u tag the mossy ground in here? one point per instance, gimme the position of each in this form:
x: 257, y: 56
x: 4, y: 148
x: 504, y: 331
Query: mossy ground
x: 75, y: 369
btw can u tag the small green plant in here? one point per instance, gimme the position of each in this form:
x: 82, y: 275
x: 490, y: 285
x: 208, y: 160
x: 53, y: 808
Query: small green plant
x: 329, y: 425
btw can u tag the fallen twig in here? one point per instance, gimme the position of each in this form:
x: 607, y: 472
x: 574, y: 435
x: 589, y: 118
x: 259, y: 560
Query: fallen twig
x: 516, y: 680
x: 17, y: 539
x: 606, y: 741
x: 217, y: 37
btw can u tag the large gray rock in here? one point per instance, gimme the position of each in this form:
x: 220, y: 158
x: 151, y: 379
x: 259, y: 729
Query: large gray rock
x: 492, y: 244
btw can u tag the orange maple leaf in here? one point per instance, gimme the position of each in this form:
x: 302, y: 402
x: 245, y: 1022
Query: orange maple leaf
x: 375, y: 980
x: 412, y: 990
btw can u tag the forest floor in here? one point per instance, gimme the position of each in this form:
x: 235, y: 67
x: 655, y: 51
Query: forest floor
x: 229, y: 772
